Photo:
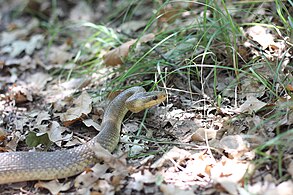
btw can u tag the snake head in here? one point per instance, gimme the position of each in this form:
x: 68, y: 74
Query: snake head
x: 143, y: 100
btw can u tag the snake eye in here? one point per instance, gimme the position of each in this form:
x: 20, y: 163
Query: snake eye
x: 154, y: 97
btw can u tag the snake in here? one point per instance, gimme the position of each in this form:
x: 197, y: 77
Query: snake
x: 37, y: 165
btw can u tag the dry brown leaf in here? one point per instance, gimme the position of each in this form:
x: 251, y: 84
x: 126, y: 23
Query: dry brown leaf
x: 76, y: 83
x: 182, y: 172
x: 147, y: 160
x: 230, y: 187
x: 225, y: 85
x: 144, y: 177
x: 115, y: 57
x: 174, y: 153
x: 83, y: 106
x: 169, y: 189
x: 55, y: 133
x: 13, y: 143
x: 38, y: 80
x: 102, y: 153
x: 119, y: 164
x: 235, y: 146
x: 42, y: 116
x: 132, y: 26
x: 21, y: 94
x: 3, y: 135
x: 9, y: 37
x: 201, y: 134
x: 81, y: 12
x: 73, y: 142
x: 18, y: 46
x: 146, y: 38
x: 54, y: 186
x: 92, y: 123
x: 88, y: 178
x: 130, y: 128
x: 261, y: 35
x: 59, y: 55
x: 229, y: 171
x: 102, y: 187
x: 169, y: 13
x: 60, y: 94
x: 284, y: 188
x: 251, y: 105
x: 289, y: 87
x: 252, y: 87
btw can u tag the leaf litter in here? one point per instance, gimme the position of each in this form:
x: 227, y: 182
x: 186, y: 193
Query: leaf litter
x: 190, y: 145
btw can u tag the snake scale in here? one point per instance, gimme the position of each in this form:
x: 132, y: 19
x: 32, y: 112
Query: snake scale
x: 28, y: 166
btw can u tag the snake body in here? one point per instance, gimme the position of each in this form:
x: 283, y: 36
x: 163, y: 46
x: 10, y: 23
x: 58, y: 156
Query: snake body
x: 28, y: 166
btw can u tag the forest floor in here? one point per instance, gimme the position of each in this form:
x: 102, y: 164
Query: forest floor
x: 225, y: 127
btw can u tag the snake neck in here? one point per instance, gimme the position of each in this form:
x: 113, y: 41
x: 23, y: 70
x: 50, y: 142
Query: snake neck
x: 113, y: 117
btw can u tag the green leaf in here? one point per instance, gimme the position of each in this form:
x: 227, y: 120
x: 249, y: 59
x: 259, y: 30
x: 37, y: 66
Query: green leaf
x: 32, y: 140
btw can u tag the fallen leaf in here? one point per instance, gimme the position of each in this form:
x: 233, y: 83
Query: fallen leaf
x: 38, y: 80
x: 35, y: 42
x: 261, y: 35
x: 101, y: 187
x: 146, y: 38
x: 201, y: 134
x: 42, y: 116
x: 54, y: 186
x: 33, y: 140
x: 81, y: 12
x: 115, y: 57
x: 144, y: 177
x: 229, y: 171
x: 55, y: 133
x: 230, y: 187
x: 232, y: 142
x: 132, y: 26
x: 119, y: 164
x: 76, y: 83
x: 169, y: 13
x: 289, y: 87
x: 10, y: 37
x: 28, y: 47
x: 130, y: 128
x: 251, y: 87
x: 73, y: 142
x: 20, y: 94
x: 3, y: 135
x: 87, y: 178
x: 59, y: 55
x: 174, y: 153
x: 82, y: 106
x: 251, y: 105
x: 60, y: 94
x: 284, y: 188
x: 169, y: 189
x: 136, y: 149
x: 92, y: 123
